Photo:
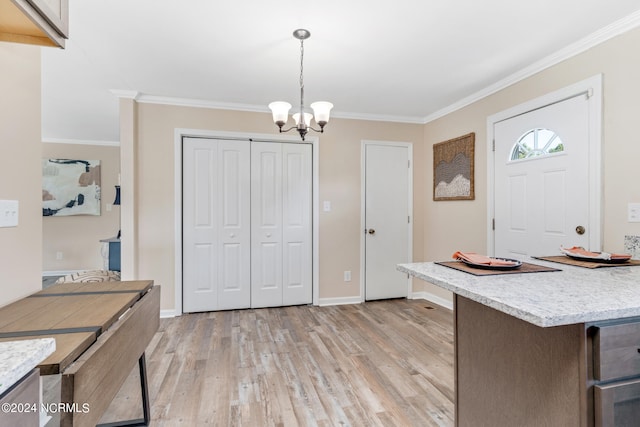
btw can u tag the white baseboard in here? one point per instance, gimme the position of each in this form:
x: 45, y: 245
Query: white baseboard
x: 164, y: 314
x: 339, y: 301
x: 60, y: 273
x: 442, y: 302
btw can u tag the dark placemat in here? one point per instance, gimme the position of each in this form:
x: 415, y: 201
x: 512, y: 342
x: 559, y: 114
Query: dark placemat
x: 586, y: 264
x: 524, y: 268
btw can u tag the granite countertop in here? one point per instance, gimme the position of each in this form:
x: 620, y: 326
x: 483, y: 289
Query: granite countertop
x: 18, y: 358
x: 573, y: 295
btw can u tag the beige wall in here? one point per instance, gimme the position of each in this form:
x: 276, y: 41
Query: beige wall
x: 452, y: 226
x: 78, y: 237
x: 339, y: 183
x: 20, y: 151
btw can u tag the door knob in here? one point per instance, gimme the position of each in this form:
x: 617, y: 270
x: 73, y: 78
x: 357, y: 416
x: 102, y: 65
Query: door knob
x: 371, y: 231
x: 580, y: 230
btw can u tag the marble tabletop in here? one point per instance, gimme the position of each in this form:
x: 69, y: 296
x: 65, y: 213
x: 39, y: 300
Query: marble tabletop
x: 18, y: 358
x: 573, y: 295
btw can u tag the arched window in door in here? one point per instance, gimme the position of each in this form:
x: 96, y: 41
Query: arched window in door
x: 535, y: 143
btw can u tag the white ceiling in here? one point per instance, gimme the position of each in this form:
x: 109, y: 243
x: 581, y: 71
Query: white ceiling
x: 403, y: 60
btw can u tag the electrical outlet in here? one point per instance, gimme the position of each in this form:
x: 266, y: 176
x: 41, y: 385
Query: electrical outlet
x: 347, y: 276
x: 59, y: 255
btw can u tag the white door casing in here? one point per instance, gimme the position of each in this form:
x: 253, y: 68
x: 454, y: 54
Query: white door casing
x: 537, y: 203
x: 216, y: 225
x: 387, y: 218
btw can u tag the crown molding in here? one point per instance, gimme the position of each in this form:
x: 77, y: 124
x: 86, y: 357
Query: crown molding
x: 617, y: 28
x: 80, y: 142
x: 379, y: 117
x: 125, y: 94
x: 202, y: 103
x: 199, y: 103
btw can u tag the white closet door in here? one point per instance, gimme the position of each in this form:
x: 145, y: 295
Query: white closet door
x: 216, y: 218
x: 266, y: 224
x: 281, y: 224
x: 296, y: 224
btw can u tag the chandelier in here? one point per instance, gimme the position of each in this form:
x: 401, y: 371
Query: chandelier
x: 321, y: 110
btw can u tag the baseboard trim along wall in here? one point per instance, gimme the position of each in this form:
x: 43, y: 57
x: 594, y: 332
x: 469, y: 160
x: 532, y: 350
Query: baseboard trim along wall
x: 339, y: 301
x: 442, y: 302
x: 165, y: 314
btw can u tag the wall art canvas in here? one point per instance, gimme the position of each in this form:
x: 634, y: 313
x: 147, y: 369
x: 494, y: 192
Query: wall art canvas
x: 453, y: 169
x: 70, y: 187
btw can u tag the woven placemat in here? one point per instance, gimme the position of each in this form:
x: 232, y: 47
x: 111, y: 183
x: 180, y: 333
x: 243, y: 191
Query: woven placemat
x: 524, y: 268
x: 586, y: 264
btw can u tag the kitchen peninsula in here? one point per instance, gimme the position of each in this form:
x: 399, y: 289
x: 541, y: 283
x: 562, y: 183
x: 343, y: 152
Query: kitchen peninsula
x: 557, y: 348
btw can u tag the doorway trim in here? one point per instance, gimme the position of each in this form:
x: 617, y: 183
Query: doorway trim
x: 592, y: 88
x: 179, y: 133
x: 363, y: 146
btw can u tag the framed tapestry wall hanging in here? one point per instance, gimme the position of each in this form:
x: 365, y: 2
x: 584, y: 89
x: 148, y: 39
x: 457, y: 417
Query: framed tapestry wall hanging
x: 453, y: 169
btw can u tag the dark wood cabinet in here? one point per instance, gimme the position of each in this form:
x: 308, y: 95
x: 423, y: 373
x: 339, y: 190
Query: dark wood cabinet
x: 512, y: 373
x: 616, y: 370
x: 618, y: 404
x: 21, y: 403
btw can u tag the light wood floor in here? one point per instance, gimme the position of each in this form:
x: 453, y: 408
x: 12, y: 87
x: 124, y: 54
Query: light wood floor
x: 386, y: 363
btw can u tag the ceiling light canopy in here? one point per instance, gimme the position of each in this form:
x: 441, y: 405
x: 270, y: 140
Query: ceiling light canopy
x: 321, y: 109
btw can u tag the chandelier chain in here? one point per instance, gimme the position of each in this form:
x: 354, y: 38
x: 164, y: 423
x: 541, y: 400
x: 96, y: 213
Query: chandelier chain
x: 301, y: 80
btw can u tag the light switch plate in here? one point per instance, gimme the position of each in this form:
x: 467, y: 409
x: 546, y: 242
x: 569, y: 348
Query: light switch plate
x: 326, y: 206
x: 8, y: 213
x: 634, y: 212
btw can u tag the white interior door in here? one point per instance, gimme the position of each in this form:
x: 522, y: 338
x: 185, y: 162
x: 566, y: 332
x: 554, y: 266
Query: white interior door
x: 387, y: 216
x: 281, y: 254
x: 216, y: 218
x: 542, y: 198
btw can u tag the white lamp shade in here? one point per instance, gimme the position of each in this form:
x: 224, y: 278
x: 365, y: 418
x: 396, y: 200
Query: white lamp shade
x: 307, y: 118
x: 321, y: 111
x: 280, y: 111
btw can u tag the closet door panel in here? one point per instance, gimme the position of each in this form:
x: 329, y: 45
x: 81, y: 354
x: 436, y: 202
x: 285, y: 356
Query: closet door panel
x: 216, y: 225
x: 200, y: 233
x: 296, y: 224
x: 266, y: 224
x: 234, y: 204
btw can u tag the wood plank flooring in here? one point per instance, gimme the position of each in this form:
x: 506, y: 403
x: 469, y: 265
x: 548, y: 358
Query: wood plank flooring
x: 384, y: 363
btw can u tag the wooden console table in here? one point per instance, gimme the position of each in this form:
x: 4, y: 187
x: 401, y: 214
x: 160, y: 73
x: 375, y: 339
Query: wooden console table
x: 101, y: 330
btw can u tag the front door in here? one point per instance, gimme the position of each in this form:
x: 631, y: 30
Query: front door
x: 542, y: 184
x: 387, y: 182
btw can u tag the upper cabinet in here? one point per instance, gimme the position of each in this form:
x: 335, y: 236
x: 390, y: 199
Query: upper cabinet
x: 41, y: 22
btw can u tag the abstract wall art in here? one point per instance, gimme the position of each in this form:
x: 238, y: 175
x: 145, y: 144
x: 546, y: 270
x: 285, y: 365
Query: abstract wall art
x: 70, y: 187
x: 453, y: 169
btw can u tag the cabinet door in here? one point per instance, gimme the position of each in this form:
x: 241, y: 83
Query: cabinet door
x: 40, y: 22
x: 617, y: 404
